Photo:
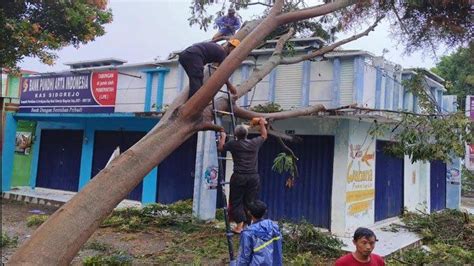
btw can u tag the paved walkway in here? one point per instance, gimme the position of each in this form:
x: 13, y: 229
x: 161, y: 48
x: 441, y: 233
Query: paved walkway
x: 388, y: 242
x: 51, y: 196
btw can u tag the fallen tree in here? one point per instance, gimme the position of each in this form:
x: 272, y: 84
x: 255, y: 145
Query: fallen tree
x: 57, y: 241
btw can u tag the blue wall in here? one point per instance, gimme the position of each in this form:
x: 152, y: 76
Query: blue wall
x: 89, y: 123
x: 310, y: 197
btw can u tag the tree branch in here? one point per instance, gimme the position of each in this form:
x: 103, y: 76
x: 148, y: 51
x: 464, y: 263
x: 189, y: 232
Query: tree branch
x: 289, y: 151
x: 276, y: 8
x: 209, y: 126
x: 315, y: 11
x: 250, y: 4
x: 278, y: 134
x: 270, y: 64
x: 394, y: 111
x: 281, y: 42
x: 329, y: 48
x: 247, y: 114
x: 285, y: 147
x: 277, y: 59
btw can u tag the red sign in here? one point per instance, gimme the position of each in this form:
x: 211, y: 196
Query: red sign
x: 70, y: 93
x: 104, y: 85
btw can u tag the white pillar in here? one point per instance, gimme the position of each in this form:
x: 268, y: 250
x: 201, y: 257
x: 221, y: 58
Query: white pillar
x: 453, y: 183
x: 205, y: 178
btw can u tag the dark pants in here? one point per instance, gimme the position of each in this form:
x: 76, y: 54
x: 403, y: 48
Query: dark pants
x: 194, y: 67
x: 244, y: 190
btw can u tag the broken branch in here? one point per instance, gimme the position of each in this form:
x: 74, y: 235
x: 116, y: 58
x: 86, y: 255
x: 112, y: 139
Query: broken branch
x: 248, y: 114
x: 271, y: 63
x: 329, y: 48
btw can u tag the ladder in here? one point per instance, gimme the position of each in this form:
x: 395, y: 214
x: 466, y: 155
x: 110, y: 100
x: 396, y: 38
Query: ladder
x: 221, y: 174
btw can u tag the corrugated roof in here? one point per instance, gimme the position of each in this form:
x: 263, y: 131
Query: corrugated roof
x: 343, y: 53
x: 96, y: 62
x: 106, y: 67
x: 429, y: 73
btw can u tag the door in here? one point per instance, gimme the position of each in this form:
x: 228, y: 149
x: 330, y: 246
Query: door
x: 310, y: 196
x: 176, y: 173
x: 105, y: 142
x: 388, y: 184
x: 59, y: 161
x: 437, y: 185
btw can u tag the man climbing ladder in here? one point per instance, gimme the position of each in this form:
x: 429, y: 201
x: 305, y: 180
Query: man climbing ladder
x: 245, y: 181
x: 193, y: 59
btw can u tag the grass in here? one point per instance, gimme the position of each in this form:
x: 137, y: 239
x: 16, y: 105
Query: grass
x: 7, y: 241
x: 198, y: 243
x: 118, y: 258
x: 98, y: 246
x: 207, y: 244
x: 177, y: 215
x: 36, y: 219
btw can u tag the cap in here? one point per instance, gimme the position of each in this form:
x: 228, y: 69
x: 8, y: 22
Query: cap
x: 234, y: 42
x: 231, y: 10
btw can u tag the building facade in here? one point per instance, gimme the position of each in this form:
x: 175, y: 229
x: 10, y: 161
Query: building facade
x: 345, y: 181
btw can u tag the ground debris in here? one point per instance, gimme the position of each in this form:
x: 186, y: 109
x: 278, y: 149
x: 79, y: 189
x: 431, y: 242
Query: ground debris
x: 448, y: 236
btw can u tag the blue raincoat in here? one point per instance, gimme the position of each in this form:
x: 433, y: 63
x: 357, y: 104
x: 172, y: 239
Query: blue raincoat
x: 261, y: 244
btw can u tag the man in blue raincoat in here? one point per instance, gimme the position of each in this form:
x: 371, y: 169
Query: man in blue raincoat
x: 261, y: 242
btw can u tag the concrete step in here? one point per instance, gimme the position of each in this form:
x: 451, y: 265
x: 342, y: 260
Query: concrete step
x: 51, y: 197
x: 389, y: 241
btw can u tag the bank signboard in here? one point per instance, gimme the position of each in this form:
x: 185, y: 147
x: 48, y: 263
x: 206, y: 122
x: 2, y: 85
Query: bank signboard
x: 93, y: 92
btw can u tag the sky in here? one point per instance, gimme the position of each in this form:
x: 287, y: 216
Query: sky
x: 143, y: 30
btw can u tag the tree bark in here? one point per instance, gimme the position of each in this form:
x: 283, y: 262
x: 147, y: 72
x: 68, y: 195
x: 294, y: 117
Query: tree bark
x: 58, y: 240
x: 315, y: 11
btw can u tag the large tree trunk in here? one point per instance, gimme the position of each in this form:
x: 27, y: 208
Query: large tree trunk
x: 58, y: 240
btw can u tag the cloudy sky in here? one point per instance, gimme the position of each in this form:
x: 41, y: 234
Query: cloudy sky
x: 143, y: 30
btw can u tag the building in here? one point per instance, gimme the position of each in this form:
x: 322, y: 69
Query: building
x: 72, y: 144
x: 9, y: 101
x: 346, y: 180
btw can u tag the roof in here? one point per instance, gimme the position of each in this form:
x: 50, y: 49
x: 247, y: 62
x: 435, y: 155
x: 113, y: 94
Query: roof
x: 22, y: 71
x: 299, y: 41
x: 105, y: 67
x: 96, y: 62
x: 344, y: 53
x: 432, y: 78
x: 428, y: 72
